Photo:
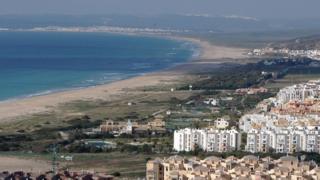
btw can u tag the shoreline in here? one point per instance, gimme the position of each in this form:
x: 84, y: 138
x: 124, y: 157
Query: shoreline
x: 196, y: 49
x: 19, y: 107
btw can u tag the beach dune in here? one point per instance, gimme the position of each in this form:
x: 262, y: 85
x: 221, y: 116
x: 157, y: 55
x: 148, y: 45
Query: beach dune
x: 213, y: 52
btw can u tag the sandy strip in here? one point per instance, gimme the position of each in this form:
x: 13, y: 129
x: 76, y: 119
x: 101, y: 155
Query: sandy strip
x: 213, y: 52
x: 15, y: 108
x: 43, y: 103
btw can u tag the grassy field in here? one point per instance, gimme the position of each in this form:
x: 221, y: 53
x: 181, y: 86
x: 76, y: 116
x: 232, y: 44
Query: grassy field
x: 253, y: 40
x: 129, y: 165
x: 144, y: 104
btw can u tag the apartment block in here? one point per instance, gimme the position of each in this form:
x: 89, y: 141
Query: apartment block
x: 210, y: 140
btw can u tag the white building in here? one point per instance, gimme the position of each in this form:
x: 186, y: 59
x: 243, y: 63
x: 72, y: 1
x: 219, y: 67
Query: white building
x: 210, y: 140
x: 311, y: 53
x: 212, y: 101
x: 284, y: 141
x: 128, y: 129
x: 299, y: 92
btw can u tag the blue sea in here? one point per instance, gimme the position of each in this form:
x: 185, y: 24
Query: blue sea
x: 36, y: 63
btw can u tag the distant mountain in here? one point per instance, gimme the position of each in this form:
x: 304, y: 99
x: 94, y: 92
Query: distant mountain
x: 191, y: 22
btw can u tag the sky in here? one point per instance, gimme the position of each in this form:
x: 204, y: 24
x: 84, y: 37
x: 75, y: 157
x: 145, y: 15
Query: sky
x: 251, y: 8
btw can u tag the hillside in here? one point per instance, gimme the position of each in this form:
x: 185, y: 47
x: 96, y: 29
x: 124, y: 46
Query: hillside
x: 303, y: 43
x: 188, y: 22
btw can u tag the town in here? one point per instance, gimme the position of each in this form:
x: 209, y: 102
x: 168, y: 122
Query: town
x: 159, y: 90
x: 285, y: 52
x: 285, y: 124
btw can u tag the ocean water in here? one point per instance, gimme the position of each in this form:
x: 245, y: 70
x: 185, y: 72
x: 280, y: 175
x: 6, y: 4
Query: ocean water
x: 35, y: 63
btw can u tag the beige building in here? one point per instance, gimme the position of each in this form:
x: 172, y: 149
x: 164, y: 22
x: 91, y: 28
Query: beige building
x: 157, y: 122
x: 110, y: 126
x: 157, y: 125
x: 155, y: 169
x: 215, y: 168
x: 221, y: 123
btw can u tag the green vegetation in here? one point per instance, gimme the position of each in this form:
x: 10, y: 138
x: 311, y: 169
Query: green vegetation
x: 253, y: 39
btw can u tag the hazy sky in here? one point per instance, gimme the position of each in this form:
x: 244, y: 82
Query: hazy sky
x: 253, y: 8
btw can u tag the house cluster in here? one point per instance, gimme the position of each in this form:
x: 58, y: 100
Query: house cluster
x: 217, y: 140
x: 156, y: 126
x: 250, y: 91
x: 312, y: 54
x: 246, y: 168
x: 307, y: 107
x: 286, y: 124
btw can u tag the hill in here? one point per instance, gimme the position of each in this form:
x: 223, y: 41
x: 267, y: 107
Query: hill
x: 303, y: 43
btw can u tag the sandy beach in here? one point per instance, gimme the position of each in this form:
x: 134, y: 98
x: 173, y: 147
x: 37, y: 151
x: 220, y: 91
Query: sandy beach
x: 9, y: 110
x: 213, y: 52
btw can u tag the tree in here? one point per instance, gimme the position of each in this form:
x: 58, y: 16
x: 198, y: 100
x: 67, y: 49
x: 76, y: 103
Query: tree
x: 146, y: 148
x: 116, y: 174
x: 196, y: 150
x: 243, y: 141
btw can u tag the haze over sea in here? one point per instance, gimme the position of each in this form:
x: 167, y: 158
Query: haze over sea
x: 35, y: 63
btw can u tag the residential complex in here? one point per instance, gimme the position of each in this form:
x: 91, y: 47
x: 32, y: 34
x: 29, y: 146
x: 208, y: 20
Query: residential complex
x: 283, y: 141
x: 207, y: 139
x: 299, y: 92
x: 216, y: 168
x: 286, y: 124
x: 312, y: 53
x: 156, y: 126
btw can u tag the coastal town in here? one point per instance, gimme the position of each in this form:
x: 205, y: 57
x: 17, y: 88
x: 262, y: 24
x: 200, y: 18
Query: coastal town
x: 231, y: 122
x: 287, y: 123
x: 159, y: 90
x: 285, y: 52
x: 249, y: 131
